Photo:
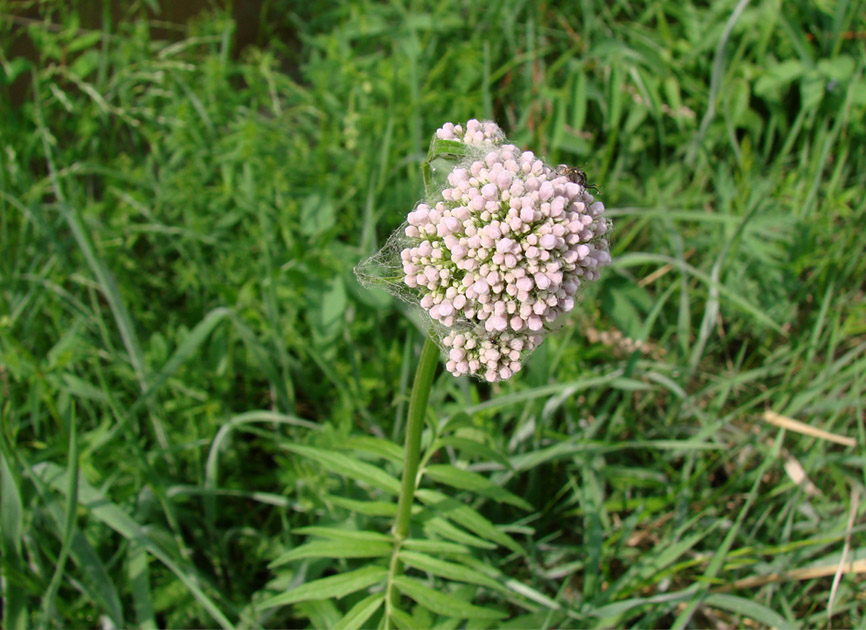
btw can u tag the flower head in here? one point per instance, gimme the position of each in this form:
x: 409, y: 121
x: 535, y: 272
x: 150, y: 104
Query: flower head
x: 500, y: 251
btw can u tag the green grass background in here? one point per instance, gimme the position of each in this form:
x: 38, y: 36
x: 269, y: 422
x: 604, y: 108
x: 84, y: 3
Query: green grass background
x: 179, y: 219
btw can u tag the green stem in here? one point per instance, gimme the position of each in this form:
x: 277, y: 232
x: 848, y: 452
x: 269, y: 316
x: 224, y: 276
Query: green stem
x: 411, y: 457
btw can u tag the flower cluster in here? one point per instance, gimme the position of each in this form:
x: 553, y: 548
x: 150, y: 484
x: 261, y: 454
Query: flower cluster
x: 475, y: 133
x: 501, y: 251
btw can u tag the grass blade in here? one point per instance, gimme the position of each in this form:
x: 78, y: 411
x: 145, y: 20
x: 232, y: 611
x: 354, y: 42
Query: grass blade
x: 68, y: 521
x: 15, y: 613
x: 107, y: 512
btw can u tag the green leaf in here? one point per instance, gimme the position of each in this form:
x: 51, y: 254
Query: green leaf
x: 344, y: 534
x: 327, y: 305
x: 335, y: 549
x: 86, y: 63
x: 612, y: 611
x: 475, y: 448
x: 370, y: 508
x: 839, y: 69
x: 335, y: 586
x: 11, y: 70
x: 108, y: 513
x: 238, y: 422
x: 317, y: 215
x: 348, y: 466
x: 95, y: 584
x: 138, y: 574
x: 188, y: 348
x: 15, y: 613
x: 86, y: 40
x: 472, y: 481
x: 450, y: 570
x: 642, y: 258
x: 446, y: 529
x: 360, y: 613
x: 375, y: 446
x: 749, y: 608
x: 468, y: 518
x: 435, y: 546
x: 443, y: 603
x: 531, y: 593
x: 403, y: 620
x: 322, y: 613
x: 68, y: 530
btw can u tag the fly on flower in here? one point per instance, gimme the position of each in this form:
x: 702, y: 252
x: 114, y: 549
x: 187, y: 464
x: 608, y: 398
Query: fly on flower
x: 497, y: 253
x: 576, y: 175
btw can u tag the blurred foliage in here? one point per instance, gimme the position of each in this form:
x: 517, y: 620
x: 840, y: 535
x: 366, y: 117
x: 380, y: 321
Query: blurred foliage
x: 179, y: 216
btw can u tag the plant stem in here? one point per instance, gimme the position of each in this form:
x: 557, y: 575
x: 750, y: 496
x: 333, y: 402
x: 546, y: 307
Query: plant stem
x: 411, y: 457
x: 414, y: 427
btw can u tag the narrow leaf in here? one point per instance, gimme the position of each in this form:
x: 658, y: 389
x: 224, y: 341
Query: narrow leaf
x: 749, y: 608
x: 450, y: 570
x: 449, y: 531
x: 344, y: 534
x: 468, y: 518
x: 435, y: 546
x: 335, y: 549
x: 107, y: 512
x: 443, y: 603
x: 375, y: 446
x: 370, y: 508
x: 473, y: 482
x: 68, y: 521
x: 15, y: 613
x: 360, y: 613
x: 348, y: 466
x: 475, y: 448
x: 138, y: 574
x: 335, y: 586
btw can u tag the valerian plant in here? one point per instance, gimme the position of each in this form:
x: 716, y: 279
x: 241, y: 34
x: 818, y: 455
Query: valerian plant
x: 492, y: 258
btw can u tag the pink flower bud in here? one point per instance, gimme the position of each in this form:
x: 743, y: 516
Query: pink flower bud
x: 542, y: 281
x: 525, y: 284
x: 547, y: 241
x: 492, y: 231
x: 489, y: 191
x: 504, y: 245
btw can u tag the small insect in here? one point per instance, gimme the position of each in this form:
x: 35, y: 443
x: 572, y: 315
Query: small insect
x: 576, y: 175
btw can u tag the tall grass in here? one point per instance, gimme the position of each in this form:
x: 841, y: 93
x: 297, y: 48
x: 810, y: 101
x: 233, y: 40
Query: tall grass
x: 192, y: 384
